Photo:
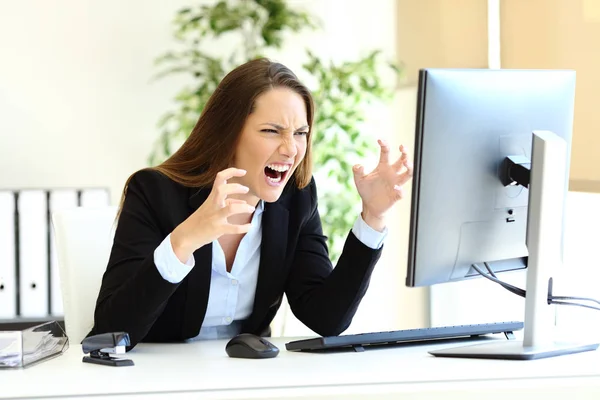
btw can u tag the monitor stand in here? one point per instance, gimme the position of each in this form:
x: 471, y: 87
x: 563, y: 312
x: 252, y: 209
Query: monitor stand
x: 547, y: 195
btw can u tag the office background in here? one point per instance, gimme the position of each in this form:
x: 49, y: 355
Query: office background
x: 78, y: 108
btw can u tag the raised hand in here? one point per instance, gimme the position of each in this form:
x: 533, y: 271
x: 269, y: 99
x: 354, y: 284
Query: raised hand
x: 382, y: 188
x: 209, y: 222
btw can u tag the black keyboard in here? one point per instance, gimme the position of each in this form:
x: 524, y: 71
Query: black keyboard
x: 358, y: 341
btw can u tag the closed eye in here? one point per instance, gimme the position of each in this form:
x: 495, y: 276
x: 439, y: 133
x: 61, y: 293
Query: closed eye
x: 301, y: 133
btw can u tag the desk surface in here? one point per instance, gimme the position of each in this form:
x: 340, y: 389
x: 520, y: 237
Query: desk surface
x: 203, y: 370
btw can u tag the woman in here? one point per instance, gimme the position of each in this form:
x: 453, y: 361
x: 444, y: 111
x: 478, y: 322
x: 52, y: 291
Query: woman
x: 208, y: 242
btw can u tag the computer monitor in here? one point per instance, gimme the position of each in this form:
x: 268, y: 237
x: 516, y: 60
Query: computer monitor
x: 491, y: 167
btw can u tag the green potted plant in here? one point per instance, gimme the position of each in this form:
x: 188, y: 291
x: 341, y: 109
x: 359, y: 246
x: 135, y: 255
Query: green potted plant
x: 342, y: 92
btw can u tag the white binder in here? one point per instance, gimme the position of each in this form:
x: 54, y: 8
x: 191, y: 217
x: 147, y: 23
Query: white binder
x: 8, y: 282
x: 94, y: 198
x: 33, y: 252
x: 59, y: 200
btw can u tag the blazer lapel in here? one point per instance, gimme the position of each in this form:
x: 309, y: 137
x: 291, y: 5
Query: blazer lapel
x: 198, y: 280
x: 272, y: 262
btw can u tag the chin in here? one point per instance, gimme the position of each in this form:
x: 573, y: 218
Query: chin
x: 270, y: 196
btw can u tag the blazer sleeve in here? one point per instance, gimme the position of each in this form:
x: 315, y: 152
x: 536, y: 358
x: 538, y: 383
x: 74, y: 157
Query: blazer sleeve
x: 133, y: 294
x: 324, y: 298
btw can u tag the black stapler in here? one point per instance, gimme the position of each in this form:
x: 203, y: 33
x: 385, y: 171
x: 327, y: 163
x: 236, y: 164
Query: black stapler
x: 101, y: 346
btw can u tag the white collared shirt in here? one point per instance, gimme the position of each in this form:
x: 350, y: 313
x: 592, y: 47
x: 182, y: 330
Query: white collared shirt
x: 231, y: 295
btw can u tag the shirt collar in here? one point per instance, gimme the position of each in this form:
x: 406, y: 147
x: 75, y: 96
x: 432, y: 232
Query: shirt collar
x: 260, y: 207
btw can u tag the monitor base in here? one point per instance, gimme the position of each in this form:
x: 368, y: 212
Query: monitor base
x: 514, y: 350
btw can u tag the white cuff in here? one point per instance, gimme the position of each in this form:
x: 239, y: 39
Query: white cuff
x: 168, y: 265
x: 367, y: 235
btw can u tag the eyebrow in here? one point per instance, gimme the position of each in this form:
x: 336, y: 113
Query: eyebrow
x: 281, y: 128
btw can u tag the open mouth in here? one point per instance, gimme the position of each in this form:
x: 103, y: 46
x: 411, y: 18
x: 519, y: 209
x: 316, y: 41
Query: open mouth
x: 276, y: 173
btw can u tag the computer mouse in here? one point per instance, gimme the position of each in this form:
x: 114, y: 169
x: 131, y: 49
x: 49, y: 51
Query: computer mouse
x: 247, y: 345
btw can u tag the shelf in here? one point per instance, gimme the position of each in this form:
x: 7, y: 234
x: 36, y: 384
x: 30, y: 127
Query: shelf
x: 24, y: 323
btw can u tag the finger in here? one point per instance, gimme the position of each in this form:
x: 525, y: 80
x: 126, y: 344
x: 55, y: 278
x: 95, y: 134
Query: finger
x: 384, y: 156
x: 398, y: 191
x: 409, y: 169
x: 358, y: 171
x: 228, y: 173
x: 403, y: 157
x: 406, y: 175
x: 228, y: 189
x: 236, y: 208
x: 233, y: 229
x: 234, y: 201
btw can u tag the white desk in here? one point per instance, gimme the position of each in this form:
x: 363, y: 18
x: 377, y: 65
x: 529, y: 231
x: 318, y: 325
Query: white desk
x: 203, y: 370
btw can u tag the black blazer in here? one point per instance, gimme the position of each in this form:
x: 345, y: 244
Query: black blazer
x: 134, y: 298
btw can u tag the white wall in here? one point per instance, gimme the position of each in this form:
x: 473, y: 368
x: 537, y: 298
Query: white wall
x: 77, y: 107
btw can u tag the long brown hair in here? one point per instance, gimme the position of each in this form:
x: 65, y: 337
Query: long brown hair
x: 208, y: 149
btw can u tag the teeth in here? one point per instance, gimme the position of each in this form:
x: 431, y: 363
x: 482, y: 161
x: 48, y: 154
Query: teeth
x: 279, y: 168
x: 274, y: 180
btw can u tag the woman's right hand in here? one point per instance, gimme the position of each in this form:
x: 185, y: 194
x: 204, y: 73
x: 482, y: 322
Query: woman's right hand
x: 209, y: 221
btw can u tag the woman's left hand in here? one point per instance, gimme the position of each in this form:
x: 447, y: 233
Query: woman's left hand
x: 382, y: 188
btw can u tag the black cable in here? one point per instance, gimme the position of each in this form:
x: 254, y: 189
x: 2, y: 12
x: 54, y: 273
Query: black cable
x: 523, y: 293
x: 510, y: 288
x: 575, y: 298
x: 507, y: 286
x: 487, y: 266
x: 567, y: 303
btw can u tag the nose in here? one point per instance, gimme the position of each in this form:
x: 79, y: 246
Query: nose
x: 288, y: 147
